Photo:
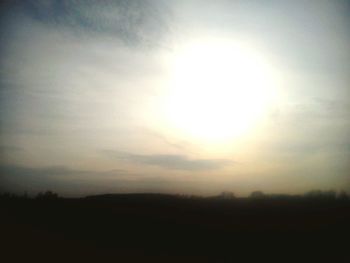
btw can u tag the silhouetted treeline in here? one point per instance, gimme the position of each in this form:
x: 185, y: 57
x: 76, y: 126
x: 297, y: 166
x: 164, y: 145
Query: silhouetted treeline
x: 228, y: 195
x: 175, y: 228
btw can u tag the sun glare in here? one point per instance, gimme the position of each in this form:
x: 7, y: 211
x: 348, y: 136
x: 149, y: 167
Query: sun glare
x: 219, y: 90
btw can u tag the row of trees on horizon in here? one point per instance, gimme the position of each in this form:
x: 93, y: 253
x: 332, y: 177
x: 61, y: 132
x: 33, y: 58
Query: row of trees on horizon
x: 313, y: 194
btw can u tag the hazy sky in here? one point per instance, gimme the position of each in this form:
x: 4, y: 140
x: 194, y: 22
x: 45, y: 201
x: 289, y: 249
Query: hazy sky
x: 174, y: 96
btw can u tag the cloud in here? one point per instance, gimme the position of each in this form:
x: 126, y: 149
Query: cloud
x: 9, y: 148
x: 134, y: 22
x: 17, y: 178
x: 312, y: 147
x: 15, y: 170
x: 334, y: 108
x: 74, y: 182
x: 50, y: 171
x: 171, y: 161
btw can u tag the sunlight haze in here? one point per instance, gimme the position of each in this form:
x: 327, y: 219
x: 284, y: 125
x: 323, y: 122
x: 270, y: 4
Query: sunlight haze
x: 190, y: 97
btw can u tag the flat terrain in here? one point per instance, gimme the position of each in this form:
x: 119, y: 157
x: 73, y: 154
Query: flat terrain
x: 165, y: 228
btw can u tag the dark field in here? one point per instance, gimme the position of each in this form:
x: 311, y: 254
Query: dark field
x: 165, y: 228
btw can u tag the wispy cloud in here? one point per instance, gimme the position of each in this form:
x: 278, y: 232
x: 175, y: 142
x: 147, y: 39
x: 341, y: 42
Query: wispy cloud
x: 171, y: 161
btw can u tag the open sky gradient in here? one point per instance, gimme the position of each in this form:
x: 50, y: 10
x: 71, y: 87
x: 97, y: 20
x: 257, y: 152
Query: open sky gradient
x: 83, y: 86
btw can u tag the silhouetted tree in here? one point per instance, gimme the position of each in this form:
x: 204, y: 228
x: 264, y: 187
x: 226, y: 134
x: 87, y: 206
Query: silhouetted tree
x: 227, y: 195
x: 331, y: 194
x: 48, y: 195
x: 313, y: 194
x: 257, y: 194
x: 319, y: 194
x: 343, y: 195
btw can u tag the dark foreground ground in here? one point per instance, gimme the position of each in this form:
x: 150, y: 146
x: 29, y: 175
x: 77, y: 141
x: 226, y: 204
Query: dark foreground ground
x: 161, y: 228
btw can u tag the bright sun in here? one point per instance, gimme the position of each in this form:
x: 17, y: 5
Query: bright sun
x: 219, y: 90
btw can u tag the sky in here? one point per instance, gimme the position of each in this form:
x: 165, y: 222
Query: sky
x: 188, y: 97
